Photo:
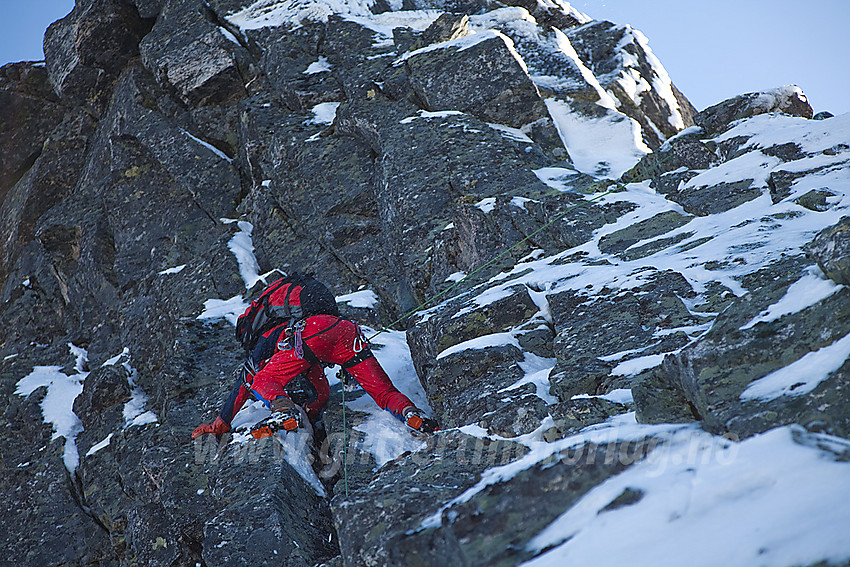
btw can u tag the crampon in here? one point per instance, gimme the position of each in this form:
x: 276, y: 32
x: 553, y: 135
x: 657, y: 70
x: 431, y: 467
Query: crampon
x: 278, y: 421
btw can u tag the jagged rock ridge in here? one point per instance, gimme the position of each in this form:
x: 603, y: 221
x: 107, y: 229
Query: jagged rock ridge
x: 686, y: 301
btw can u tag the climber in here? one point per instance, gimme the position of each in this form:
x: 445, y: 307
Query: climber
x: 284, y: 370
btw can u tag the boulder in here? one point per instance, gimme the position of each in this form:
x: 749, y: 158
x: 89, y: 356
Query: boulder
x: 374, y: 520
x: 445, y: 28
x: 87, y: 49
x: 747, y: 375
x: 658, y: 400
x: 481, y: 76
x: 620, y: 241
x: 683, y: 151
x: 476, y: 162
x: 189, y: 54
x: 789, y: 100
x: 595, y: 334
x: 103, y: 389
x: 831, y: 250
x: 572, y: 416
x: 624, y: 65
x: 485, y: 526
x: 703, y: 200
x: 271, y: 516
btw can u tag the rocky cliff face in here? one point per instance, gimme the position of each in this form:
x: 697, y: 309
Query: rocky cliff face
x: 637, y: 316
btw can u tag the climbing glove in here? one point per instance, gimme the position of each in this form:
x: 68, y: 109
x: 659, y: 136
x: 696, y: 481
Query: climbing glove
x: 418, y: 422
x: 218, y: 428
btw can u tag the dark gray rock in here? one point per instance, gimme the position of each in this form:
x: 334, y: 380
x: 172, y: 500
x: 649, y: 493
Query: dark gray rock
x: 789, y: 100
x: 686, y: 151
x: 132, y: 171
x: 50, y: 179
x: 487, y: 529
x: 356, y: 59
x: 445, y: 28
x: 574, y: 415
x: 406, y: 491
x: 484, y: 79
x: 831, y: 250
x: 465, y: 386
x: 709, y: 200
x: 658, y: 400
x: 635, y: 323
x: 434, y: 333
x: 286, y: 57
x: 29, y: 110
x: 599, y: 45
x: 149, y: 8
x: 88, y: 48
x: 475, y: 163
x: 779, y: 182
x: 270, y: 515
x: 191, y: 56
x: 789, y: 151
x: 617, y: 242
x: 816, y: 200
x: 717, y: 369
x: 35, y: 479
x: 104, y: 388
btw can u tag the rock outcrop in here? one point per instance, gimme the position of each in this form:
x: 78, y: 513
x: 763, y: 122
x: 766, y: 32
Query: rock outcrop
x: 596, y: 290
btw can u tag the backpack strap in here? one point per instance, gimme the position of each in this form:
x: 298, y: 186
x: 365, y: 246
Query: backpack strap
x: 363, y: 355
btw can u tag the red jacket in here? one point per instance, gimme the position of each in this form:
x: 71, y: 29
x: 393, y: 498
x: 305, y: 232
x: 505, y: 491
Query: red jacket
x: 329, y: 339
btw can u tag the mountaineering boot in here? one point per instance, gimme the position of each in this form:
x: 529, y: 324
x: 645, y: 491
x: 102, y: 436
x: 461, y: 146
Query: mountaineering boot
x: 285, y: 417
x: 417, y: 422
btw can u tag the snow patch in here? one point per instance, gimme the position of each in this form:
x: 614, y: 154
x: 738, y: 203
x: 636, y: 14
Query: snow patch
x: 291, y: 13
x: 134, y: 410
x: 557, y: 178
x: 637, y: 365
x: 208, y: 146
x: 364, y: 299
x: 514, y: 134
x: 57, y: 407
x: 426, y: 114
x: 482, y: 342
x: 616, y: 429
x: 242, y: 247
x: 607, y: 146
x: 537, y: 370
x: 175, y: 270
x: 770, y: 500
x: 520, y: 202
x: 229, y: 309
x: 324, y: 112
x: 386, y: 437
x: 102, y: 445
x: 812, y: 288
x: 462, y: 44
x: 802, y: 376
x: 320, y: 66
x: 486, y: 205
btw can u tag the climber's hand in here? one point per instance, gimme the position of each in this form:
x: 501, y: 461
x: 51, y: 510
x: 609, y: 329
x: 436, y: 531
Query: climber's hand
x: 417, y: 421
x: 217, y: 428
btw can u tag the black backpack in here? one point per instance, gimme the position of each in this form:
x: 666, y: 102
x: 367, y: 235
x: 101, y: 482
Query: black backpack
x: 289, y: 299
